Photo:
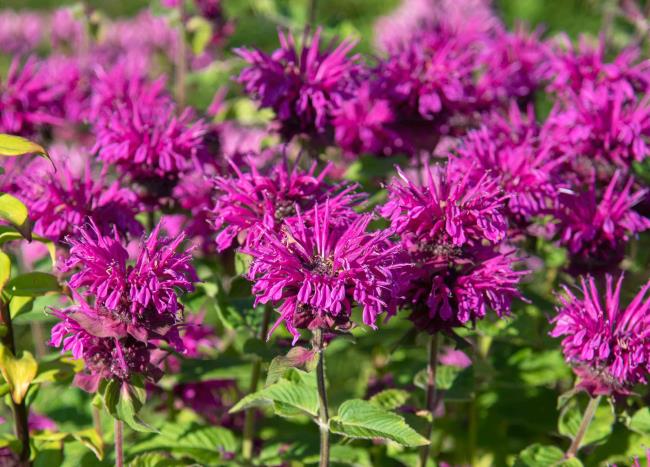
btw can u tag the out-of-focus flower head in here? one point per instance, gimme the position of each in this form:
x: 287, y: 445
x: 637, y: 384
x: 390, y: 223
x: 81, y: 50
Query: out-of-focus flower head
x: 605, y: 125
x: 60, y: 202
x: 514, y: 66
x: 596, y: 227
x: 317, y: 271
x: 451, y: 230
x: 20, y: 32
x: 608, y: 344
x: 462, y: 16
x: 574, y: 68
x: 145, y: 137
x: 365, y: 123
x: 30, y: 99
x: 122, y: 308
x: 304, y: 86
x: 67, y: 32
x: 248, y: 200
x: 515, y: 151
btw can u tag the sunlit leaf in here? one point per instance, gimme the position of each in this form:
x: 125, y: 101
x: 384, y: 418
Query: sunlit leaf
x: 17, y: 372
x: 15, y: 212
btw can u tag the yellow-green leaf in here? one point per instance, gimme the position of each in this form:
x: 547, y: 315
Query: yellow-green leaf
x: 13, y: 146
x: 8, y: 234
x: 5, y: 269
x: 20, y: 305
x: 15, y: 212
x: 201, y: 30
x: 17, y: 372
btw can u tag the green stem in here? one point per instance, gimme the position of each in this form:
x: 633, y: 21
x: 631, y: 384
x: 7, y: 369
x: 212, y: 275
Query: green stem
x: 590, y: 411
x: 323, y: 412
x: 432, y: 365
x: 119, y: 440
x: 313, y: 9
x: 256, y: 371
x: 21, y: 417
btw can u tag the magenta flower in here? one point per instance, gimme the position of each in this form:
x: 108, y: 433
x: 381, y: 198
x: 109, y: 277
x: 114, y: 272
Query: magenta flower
x: 252, y: 199
x: 122, y: 309
x: 451, y: 230
x: 366, y: 123
x: 30, y: 99
x: 595, y: 228
x: 60, y: 202
x: 317, y: 271
x: 302, y: 87
x: 20, y: 32
x: 604, y: 124
x: 516, y: 152
x: 145, y: 137
x: 449, y: 212
x: 608, y: 345
x: 573, y: 69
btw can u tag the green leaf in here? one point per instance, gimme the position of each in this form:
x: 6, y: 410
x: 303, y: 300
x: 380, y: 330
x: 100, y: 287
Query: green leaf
x: 538, y: 455
x: 32, y: 284
x: 8, y: 234
x: 357, y: 418
x: 599, y: 428
x: 124, y: 400
x: 640, y: 421
x: 15, y: 212
x: 20, y: 305
x: 390, y: 399
x: 17, y: 372
x: 291, y: 395
x: 201, y: 31
x: 13, y: 146
x: 242, y: 263
x: 204, y: 444
x: 297, y: 357
x: 92, y: 440
x: 5, y: 269
x: 155, y: 459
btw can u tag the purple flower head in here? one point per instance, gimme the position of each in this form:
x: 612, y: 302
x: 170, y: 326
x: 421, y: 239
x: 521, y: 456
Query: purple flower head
x: 302, y: 87
x: 461, y: 16
x: 450, y: 211
x: 608, y: 345
x: 318, y: 271
x: 513, y: 150
x: 146, y: 138
x: 66, y: 31
x: 595, y: 228
x: 606, y: 124
x: 365, y: 123
x: 574, y: 68
x: 20, y: 32
x: 432, y: 77
x: 251, y: 199
x: 30, y: 98
x: 451, y: 230
x: 123, y: 307
x: 210, y: 399
x: 59, y: 202
x: 515, y: 64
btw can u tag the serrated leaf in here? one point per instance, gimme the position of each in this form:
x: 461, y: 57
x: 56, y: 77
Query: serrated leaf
x: 297, y: 357
x: 390, y: 399
x: 32, y: 284
x: 17, y: 372
x: 538, y: 455
x: 295, y: 390
x: 599, y: 428
x: 15, y: 212
x: 640, y: 421
x: 357, y: 418
x: 123, y: 400
x: 155, y: 459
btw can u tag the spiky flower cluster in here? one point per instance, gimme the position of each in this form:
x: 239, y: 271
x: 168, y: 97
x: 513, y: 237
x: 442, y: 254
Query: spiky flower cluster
x: 122, y: 310
x: 452, y: 229
x: 248, y: 201
x: 608, y: 344
x: 318, y: 270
